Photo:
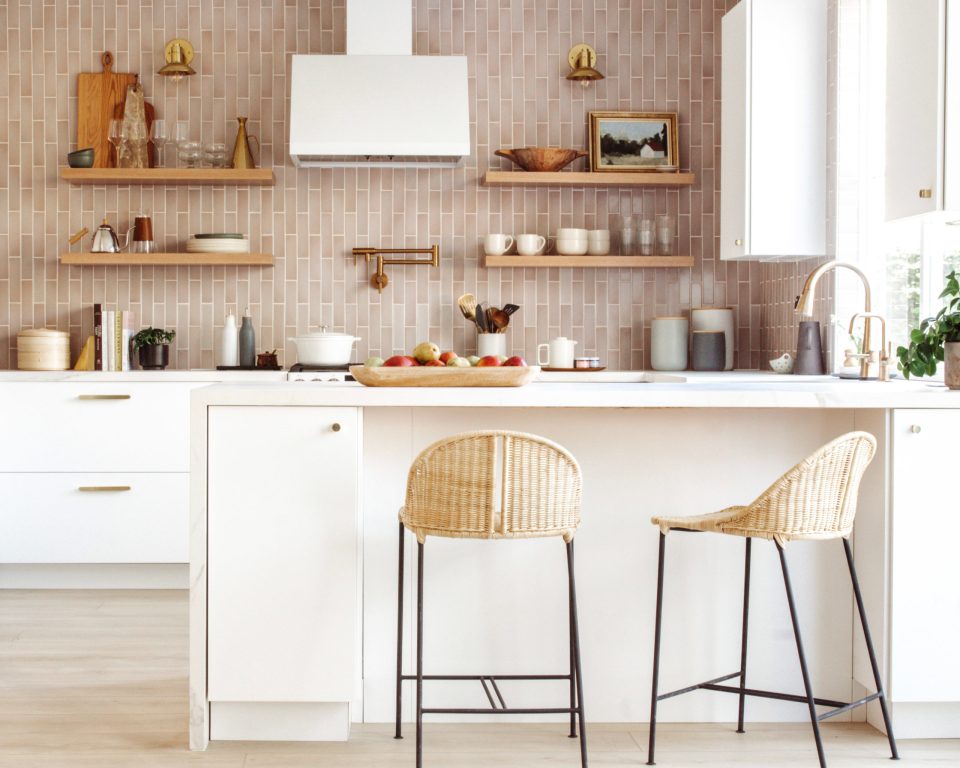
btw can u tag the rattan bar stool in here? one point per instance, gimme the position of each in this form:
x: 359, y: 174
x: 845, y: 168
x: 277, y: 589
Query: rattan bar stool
x: 817, y: 499
x: 492, y: 485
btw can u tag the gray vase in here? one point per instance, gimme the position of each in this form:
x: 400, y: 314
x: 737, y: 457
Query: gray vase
x: 809, y: 360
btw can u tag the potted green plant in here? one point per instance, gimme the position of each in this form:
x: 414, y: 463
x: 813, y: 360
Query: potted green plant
x: 153, y: 348
x: 936, y: 340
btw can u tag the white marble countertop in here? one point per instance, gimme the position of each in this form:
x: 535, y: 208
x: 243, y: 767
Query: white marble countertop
x: 135, y: 377
x: 738, y: 389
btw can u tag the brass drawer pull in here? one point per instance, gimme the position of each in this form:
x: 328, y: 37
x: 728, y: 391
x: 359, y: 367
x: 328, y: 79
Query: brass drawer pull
x: 103, y: 488
x: 335, y: 427
x: 915, y: 428
x: 926, y: 194
x: 103, y: 397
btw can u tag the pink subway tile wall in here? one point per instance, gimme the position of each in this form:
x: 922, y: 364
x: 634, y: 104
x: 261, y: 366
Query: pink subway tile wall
x: 656, y: 54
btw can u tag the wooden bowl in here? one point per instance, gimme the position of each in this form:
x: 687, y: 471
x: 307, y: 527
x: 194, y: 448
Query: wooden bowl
x: 541, y: 158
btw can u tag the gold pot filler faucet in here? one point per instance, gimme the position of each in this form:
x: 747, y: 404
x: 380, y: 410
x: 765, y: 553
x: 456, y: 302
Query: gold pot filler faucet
x: 867, y: 356
x: 379, y: 279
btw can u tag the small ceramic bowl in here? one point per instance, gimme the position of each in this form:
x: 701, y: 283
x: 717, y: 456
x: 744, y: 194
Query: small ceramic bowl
x: 782, y: 364
x: 82, y: 158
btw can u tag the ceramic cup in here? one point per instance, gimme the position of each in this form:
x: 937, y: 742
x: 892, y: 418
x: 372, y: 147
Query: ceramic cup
x: 668, y: 343
x: 491, y: 344
x: 497, y: 245
x: 598, y: 242
x: 571, y: 233
x: 560, y: 353
x: 531, y: 245
x: 709, y: 350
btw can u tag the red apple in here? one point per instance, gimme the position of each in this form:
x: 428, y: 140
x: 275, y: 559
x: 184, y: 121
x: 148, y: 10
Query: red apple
x: 489, y: 360
x: 446, y: 357
x: 399, y: 361
x: 434, y: 364
x: 516, y: 360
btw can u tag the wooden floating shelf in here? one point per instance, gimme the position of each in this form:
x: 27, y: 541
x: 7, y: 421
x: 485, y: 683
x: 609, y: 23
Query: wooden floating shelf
x: 168, y: 259
x: 206, y: 176
x: 586, y: 179
x: 601, y: 262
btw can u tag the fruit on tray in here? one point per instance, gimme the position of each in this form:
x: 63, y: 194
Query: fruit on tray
x: 446, y: 357
x: 426, y: 351
x: 373, y: 362
x: 458, y: 362
x: 473, y: 359
x: 399, y: 361
x: 516, y: 360
x: 434, y: 364
x: 489, y: 361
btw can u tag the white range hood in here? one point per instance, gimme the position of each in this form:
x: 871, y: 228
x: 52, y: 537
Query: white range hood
x: 378, y: 107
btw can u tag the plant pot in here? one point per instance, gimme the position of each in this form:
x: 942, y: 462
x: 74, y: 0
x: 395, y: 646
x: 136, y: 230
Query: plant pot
x: 951, y: 364
x: 154, y: 357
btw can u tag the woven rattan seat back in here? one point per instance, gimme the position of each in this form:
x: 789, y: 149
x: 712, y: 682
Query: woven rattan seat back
x: 493, y: 484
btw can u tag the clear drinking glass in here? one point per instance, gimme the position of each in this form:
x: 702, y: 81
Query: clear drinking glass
x: 189, y: 154
x: 178, y: 137
x: 646, y: 237
x: 158, y: 135
x: 115, y: 137
x: 627, y: 235
x: 665, y: 235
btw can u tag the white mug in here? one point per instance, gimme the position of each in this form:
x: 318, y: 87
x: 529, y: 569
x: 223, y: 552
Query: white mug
x: 531, y: 245
x: 598, y: 242
x: 571, y: 233
x: 497, y: 245
x: 559, y: 353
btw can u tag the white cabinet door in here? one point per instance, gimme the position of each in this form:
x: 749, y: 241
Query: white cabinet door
x: 773, y: 183
x: 915, y: 107
x: 283, y: 521
x: 924, y: 567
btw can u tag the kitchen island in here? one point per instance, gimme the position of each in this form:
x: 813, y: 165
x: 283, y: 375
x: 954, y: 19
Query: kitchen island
x: 294, y: 494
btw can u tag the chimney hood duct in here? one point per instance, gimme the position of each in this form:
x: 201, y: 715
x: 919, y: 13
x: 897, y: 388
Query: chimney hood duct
x: 379, y: 109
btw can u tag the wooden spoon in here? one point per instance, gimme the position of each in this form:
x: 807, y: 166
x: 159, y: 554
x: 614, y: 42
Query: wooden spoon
x: 499, y: 318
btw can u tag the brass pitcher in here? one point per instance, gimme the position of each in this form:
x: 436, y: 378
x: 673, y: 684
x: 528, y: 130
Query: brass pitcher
x: 242, y: 156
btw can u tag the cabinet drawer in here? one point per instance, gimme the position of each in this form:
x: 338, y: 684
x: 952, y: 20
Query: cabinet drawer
x: 117, y: 518
x: 71, y: 427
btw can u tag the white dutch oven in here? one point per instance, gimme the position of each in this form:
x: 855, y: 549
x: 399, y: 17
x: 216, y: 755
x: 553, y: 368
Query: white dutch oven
x: 324, y: 347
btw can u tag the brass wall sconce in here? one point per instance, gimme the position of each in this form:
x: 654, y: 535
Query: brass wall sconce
x: 379, y: 279
x: 179, y: 54
x: 583, y: 60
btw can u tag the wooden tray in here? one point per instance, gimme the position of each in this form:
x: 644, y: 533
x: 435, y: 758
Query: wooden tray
x: 434, y: 376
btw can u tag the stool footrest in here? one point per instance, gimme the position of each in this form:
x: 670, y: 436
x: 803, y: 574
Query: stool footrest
x: 499, y: 706
x: 848, y: 707
x: 516, y: 711
x: 771, y: 695
x: 697, y: 686
x: 490, y: 677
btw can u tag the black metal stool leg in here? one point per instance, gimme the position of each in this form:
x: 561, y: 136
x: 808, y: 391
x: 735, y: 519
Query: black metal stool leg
x: 419, y: 655
x: 803, y: 659
x: 573, y: 666
x: 894, y: 754
x: 743, y: 634
x: 656, y: 654
x: 576, y: 654
x: 397, y: 734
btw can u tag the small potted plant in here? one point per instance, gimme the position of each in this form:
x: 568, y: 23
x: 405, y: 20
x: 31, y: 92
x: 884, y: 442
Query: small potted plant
x: 936, y: 340
x: 153, y: 348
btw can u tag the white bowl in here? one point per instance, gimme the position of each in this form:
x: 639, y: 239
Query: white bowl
x: 566, y: 233
x: 571, y: 247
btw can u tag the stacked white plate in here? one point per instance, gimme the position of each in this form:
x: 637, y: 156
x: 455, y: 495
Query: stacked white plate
x: 218, y: 242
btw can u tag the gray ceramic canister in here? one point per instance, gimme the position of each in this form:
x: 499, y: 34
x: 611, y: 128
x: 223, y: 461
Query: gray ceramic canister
x: 709, y: 350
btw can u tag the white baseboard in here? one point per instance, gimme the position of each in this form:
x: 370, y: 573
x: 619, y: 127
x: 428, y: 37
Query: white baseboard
x: 95, y: 576
x: 279, y: 721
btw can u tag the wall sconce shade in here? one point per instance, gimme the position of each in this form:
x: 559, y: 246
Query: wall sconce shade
x: 583, y: 60
x: 179, y: 54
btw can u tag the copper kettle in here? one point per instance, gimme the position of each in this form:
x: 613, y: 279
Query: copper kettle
x: 242, y: 156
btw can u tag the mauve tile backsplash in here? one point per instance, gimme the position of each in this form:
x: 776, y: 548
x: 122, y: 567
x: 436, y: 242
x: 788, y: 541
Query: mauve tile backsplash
x: 656, y: 54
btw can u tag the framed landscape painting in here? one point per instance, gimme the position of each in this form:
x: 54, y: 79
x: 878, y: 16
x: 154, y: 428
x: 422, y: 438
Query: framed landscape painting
x: 633, y: 141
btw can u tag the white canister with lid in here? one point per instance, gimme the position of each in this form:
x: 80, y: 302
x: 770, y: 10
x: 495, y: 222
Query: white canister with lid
x: 42, y: 349
x: 669, y: 337
x: 716, y: 319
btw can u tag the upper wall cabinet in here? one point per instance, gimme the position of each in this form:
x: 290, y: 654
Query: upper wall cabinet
x: 923, y: 91
x: 773, y: 158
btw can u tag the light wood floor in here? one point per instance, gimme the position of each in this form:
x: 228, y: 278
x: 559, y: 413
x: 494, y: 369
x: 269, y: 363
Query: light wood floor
x: 98, y: 679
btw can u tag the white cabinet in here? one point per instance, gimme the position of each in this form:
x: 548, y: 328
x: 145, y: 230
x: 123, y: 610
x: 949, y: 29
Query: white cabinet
x: 283, y: 565
x: 924, y: 568
x: 773, y: 160
x: 922, y: 109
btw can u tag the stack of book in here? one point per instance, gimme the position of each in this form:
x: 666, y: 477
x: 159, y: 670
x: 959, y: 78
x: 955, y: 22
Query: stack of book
x: 112, y: 334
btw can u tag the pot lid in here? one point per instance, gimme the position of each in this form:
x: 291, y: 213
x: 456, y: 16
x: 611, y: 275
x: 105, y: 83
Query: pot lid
x: 43, y: 333
x: 325, y: 333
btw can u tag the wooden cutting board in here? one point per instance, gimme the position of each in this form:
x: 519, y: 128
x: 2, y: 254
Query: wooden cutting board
x: 435, y: 376
x: 98, y: 95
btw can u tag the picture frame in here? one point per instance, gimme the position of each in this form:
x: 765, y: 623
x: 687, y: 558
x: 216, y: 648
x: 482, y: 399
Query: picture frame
x: 642, y: 142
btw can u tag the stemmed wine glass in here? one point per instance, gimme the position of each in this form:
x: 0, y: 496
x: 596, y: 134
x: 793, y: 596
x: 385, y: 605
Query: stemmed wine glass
x: 158, y: 135
x: 115, y: 137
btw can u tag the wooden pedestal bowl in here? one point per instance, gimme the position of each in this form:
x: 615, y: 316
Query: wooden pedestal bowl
x: 541, y: 158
